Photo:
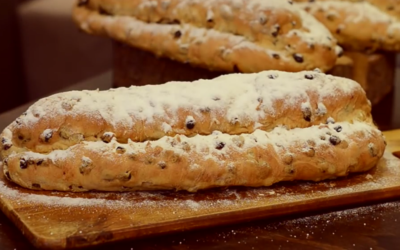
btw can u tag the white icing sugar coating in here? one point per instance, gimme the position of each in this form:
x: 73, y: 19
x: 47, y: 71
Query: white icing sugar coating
x: 166, y: 127
x: 360, y: 12
x: 222, y: 35
x: 219, y: 144
x: 227, y: 8
x: 362, y: 9
x: 243, y: 96
x: 321, y: 110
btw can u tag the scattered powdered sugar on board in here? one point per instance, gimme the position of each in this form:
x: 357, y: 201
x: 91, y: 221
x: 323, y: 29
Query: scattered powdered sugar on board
x: 110, y: 200
x: 48, y: 200
x: 327, y: 224
x: 346, y: 214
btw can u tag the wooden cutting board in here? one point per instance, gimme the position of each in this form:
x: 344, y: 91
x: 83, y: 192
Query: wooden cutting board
x: 55, y: 220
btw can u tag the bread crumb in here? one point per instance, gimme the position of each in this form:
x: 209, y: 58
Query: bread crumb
x: 369, y: 177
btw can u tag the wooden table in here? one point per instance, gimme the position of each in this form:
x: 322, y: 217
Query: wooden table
x: 376, y: 226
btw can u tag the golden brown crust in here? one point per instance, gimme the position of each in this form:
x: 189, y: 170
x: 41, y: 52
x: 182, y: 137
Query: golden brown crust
x: 276, y: 37
x: 360, y: 25
x: 181, y: 163
x: 234, y: 104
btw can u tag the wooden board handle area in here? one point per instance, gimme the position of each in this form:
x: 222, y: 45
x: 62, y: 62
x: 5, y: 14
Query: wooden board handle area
x: 393, y: 140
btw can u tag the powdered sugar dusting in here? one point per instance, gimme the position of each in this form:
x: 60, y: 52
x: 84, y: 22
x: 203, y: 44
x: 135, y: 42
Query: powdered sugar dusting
x: 357, y: 12
x: 53, y: 156
x: 47, y: 200
x: 238, y: 94
x: 239, y: 9
x: 166, y: 127
x: 280, y: 138
x: 219, y: 34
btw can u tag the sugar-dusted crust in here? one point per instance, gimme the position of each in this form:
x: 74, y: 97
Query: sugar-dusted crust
x: 223, y: 35
x: 257, y: 159
x: 238, y: 129
x: 358, y: 25
x: 390, y: 7
x: 232, y: 104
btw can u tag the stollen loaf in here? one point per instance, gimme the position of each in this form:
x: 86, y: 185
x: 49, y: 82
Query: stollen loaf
x: 390, y: 7
x: 235, y: 130
x: 369, y: 25
x: 222, y: 35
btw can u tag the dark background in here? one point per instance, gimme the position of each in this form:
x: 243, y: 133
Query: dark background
x: 42, y: 50
x: 12, y: 81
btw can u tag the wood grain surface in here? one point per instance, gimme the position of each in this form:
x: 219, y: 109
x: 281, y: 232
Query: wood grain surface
x: 55, y: 220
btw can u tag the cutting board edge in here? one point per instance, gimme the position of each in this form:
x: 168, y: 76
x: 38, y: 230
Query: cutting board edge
x: 250, y: 214
x: 201, y: 222
x: 36, y: 240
